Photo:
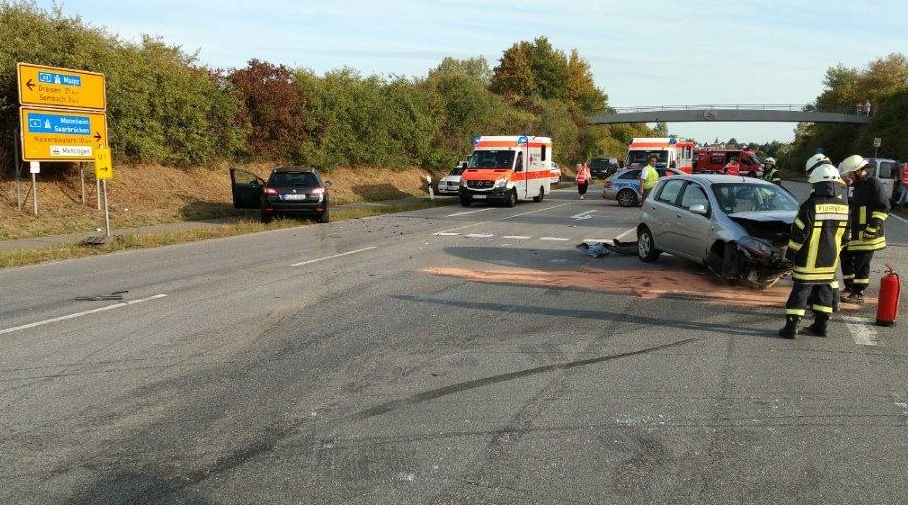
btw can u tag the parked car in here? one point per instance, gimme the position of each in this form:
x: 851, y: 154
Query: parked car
x: 556, y: 173
x: 624, y: 185
x: 290, y: 191
x: 450, y: 184
x: 603, y: 167
x: 736, y: 226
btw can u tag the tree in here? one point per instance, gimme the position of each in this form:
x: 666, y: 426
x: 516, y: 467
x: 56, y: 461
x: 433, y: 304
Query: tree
x: 581, y: 90
x: 274, y: 107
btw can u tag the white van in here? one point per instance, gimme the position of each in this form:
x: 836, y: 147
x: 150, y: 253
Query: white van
x: 886, y: 170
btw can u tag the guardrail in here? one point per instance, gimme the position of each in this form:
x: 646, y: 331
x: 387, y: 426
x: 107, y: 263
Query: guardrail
x: 837, y: 109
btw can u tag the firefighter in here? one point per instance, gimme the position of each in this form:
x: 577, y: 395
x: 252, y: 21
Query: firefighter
x: 869, y: 208
x: 770, y: 172
x: 817, y: 237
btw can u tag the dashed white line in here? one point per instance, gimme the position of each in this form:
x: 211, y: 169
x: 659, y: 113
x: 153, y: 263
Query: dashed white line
x: 80, y: 314
x: 479, y: 235
x: 468, y: 212
x: 861, y: 329
x: 332, y: 256
x: 447, y: 234
x: 517, y: 237
x: 554, y: 239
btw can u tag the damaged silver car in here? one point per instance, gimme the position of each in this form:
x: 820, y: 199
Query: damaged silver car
x: 738, y: 227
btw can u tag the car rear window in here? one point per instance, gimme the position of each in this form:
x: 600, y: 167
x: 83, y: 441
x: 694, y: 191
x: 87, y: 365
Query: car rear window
x: 304, y: 179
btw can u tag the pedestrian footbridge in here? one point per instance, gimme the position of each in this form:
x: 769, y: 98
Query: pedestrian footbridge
x: 719, y: 113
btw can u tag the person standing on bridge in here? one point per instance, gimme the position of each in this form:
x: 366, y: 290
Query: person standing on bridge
x: 583, y: 178
x: 869, y: 208
x: 770, y: 172
x: 648, y: 177
x: 817, y: 236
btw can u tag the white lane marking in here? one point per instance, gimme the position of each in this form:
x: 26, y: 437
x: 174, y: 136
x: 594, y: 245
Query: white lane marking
x: 468, y: 212
x: 80, y: 314
x: 631, y: 230
x: 861, y: 330
x: 502, y: 219
x: 554, y: 239
x: 332, y: 257
x: 535, y: 211
x: 583, y: 215
x: 517, y: 237
x: 900, y: 218
x: 600, y: 240
x: 479, y: 235
x: 447, y: 234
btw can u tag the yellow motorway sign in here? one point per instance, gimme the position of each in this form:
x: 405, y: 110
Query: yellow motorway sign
x: 61, y: 87
x: 61, y: 134
x: 103, y: 163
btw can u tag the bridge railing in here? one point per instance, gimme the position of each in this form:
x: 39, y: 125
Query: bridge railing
x: 837, y: 109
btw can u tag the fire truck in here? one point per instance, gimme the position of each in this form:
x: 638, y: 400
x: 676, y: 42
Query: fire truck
x: 711, y: 160
x: 670, y: 152
x: 506, y: 169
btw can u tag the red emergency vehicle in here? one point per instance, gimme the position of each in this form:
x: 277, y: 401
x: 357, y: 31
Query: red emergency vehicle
x: 713, y: 161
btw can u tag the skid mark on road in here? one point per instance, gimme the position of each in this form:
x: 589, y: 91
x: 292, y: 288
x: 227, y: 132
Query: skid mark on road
x: 463, y: 386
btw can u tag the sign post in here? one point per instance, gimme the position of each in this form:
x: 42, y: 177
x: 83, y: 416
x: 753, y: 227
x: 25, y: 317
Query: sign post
x: 62, y: 116
x: 104, y: 171
x: 35, y: 168
x: 877, y: 142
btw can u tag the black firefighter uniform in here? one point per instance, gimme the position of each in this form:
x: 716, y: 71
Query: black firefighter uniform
x: 817, y: 237
x: 869, y: 207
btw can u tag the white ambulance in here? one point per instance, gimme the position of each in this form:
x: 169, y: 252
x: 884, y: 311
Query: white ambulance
x: 506, y: 169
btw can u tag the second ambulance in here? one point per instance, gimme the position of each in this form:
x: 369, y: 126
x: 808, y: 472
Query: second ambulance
x: 506, y: 169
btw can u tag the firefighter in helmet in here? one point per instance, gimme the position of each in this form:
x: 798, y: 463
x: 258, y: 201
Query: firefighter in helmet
x: 869, y: 208
x: 817, y: 237
x: 770, y: 172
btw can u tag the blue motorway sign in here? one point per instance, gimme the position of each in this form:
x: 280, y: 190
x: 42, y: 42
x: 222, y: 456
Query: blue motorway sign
x: 63, y: 124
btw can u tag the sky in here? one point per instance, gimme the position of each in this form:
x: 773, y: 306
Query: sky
x: 640, y: 52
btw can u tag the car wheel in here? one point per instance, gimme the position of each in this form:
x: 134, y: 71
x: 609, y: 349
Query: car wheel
x: 512, y: 198
x: 466, y: 201
x: 627, y: 198
x: 646, y: 247
x: 324, y: 217
x: 540, y: 196
x: 266, y: 218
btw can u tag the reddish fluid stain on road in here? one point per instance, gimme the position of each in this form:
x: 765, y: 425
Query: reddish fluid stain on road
x: 644, y: 284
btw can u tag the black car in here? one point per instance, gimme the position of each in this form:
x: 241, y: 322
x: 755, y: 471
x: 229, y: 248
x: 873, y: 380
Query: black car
x: 291, y: 191
x: 603, y: 167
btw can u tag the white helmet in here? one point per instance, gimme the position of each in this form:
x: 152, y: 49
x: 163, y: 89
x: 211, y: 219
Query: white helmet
x: 770, y: 161
x: 852, y: 163
x: 824, y: 173
x: 815, y: 161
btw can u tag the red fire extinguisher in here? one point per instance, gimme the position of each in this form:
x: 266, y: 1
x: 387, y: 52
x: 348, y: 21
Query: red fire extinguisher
x: 888, y: 305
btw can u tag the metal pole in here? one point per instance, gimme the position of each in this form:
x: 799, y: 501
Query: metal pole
x: 35, y: 187
x: 106, y: 211
x: 98, y: 192
x: 18, y: 173
x: 82, y: 179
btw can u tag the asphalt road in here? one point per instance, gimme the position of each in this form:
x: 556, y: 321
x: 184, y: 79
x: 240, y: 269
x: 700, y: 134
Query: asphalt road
x: 443, y: 356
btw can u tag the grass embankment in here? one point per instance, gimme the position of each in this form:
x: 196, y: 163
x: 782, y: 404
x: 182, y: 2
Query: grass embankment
x: 145, y: 195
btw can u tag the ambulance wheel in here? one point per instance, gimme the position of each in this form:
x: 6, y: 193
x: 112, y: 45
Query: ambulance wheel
x: 466, y: 201
x: 627, y: 198
x: 541, y: 195
x: 512, y: 198
x: 646, y: 246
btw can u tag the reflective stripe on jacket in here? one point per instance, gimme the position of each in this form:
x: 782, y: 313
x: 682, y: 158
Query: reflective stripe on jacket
x: 869, y: 206
x: 817, y: 237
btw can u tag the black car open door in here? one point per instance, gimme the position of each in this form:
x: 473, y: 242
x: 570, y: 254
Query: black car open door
x: 247, y: 189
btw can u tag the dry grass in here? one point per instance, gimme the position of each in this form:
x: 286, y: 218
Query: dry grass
x: 145, y: 195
